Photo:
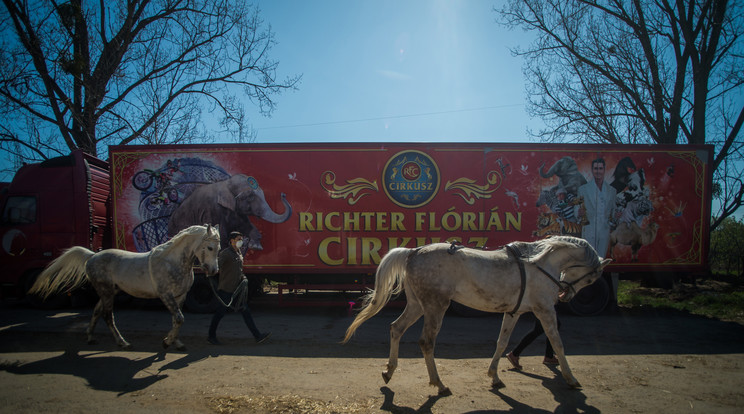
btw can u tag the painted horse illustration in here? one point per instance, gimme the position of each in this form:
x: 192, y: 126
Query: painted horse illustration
x: 166, y: 272
x: 521, y: 277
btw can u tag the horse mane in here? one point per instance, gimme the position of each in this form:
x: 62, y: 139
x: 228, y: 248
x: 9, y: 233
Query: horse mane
x: 188, y: 231
x: 540, y: 248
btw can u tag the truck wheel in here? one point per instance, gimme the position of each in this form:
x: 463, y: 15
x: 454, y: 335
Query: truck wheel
x: 200, y: 298
x: 592, y: 299
x: 55, y: 301
x: 660, y: 280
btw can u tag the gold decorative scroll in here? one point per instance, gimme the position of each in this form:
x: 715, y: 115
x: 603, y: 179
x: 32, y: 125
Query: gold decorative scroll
x: 117, y: 169
x: 352, y: 191
x: 470, y: 191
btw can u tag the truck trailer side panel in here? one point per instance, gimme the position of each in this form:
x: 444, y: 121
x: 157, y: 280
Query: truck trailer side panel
x: 351, y: 203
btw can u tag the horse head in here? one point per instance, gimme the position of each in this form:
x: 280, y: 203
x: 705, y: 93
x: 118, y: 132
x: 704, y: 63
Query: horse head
x: 579, y: 264
x: 208, y: 249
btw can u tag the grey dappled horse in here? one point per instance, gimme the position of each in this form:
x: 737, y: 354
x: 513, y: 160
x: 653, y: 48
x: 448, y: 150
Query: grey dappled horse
x: 166, y: 272
x: 521, y: 277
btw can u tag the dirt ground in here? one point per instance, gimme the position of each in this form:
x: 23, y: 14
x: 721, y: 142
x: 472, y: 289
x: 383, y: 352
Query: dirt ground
x: 627, y: 361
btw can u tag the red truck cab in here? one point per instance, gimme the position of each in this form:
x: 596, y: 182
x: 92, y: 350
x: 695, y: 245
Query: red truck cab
x: 48, y: 207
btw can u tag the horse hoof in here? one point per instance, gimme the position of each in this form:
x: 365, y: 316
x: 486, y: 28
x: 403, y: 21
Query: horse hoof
x: 165, y: 345
x: 126, y: 346
x: 92, y: 341
x: 575, y: 385
x: 445, y: 392
x: 386, y: 377
x: 181, y: 347
x: 498, y: 385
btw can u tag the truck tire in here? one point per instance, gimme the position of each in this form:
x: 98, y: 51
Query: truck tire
x: 663, y: 280
x: 592, y: 299
x: 200, y: 298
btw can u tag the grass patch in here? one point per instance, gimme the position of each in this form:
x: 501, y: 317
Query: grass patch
x: 709, y: 298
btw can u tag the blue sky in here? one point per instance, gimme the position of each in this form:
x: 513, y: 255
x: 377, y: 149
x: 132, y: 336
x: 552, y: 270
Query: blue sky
x: 395, y: 71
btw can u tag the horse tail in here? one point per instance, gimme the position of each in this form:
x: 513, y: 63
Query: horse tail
x: 65, y: 272
x: 389, y: 280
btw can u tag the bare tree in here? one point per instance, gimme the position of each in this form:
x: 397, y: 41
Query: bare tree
x: 85, y: 74
x: 632, y: 71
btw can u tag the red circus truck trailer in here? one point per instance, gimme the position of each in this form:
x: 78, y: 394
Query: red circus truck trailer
x: 325, y: 214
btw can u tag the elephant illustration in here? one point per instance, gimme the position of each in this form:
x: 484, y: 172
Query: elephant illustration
x: 228, y: 203
x: 566, y: 169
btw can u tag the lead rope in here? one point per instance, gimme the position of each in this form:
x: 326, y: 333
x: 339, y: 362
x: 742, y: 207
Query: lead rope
x: 238, y: 298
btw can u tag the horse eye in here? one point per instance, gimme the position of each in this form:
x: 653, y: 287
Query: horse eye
x: 210, y: 248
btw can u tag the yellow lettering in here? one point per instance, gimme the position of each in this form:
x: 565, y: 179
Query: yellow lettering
x: 371, y: 250
x: 323, y: 251
x: 381, y: 221
x: 468, y: 221
x: 451, y: 214
x: 393, y: 242
x: 329, y: 224
x: 351, y: 221
x: 480, y: 242
x: 396, y: 221
x: 306, y: 222
x: 494, y: 221
x: 432, y: 222
x: 367, y: 216
x: 420, y: 220
x: 351, y: 252
x: 514, y: 222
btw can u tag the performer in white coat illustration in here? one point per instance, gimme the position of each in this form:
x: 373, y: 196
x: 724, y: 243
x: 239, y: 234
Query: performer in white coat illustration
x: 599, y: 205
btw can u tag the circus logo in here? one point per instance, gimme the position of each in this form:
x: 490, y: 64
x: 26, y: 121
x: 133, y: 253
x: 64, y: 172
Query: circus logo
x: 411, y: 179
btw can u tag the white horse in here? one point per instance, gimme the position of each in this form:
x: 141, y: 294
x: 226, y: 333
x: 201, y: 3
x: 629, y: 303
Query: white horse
x: 521, y: 277
x: 166, y: 272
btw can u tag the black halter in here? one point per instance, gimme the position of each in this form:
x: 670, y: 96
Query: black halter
x: 563, y: 286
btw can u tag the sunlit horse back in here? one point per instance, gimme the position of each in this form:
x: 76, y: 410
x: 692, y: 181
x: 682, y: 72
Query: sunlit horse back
x: 165, y: 272
x: 521, y: 277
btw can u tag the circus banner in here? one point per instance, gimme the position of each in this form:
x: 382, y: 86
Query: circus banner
x: 308, y: 208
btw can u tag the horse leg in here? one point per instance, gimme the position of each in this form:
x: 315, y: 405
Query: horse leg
x: 180, y: 345
x: 410, y: 315
x: 549, y: 322
x: 174, y: 307
x: 107, y: 309
x: 93, y: 321
x: 432, y: 325
x: 507, y: 327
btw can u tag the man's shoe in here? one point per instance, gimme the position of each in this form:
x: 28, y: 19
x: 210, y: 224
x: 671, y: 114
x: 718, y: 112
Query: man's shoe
x: 263, y: 337
x: 213, y: 340
x: 514, y: 360
x: 551, y: 361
